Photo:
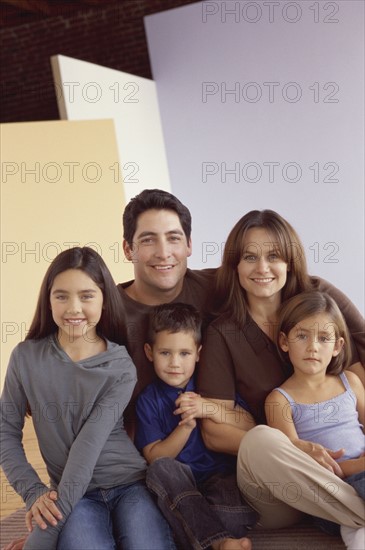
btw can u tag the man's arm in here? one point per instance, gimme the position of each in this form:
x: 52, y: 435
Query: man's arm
x: 225, y: 435
x: 191, y: 405
x: 221, y: 438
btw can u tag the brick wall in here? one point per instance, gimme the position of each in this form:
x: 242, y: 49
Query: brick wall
x: 112, y: 36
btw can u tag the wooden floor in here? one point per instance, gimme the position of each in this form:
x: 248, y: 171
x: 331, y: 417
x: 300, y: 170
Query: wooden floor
x: 10, y: 501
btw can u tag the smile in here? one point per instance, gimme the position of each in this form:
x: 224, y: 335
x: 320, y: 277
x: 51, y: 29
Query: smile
x: 263, y: 281
x: 162, y: 267
x: 74, y: 321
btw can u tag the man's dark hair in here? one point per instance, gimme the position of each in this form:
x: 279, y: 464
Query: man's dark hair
x: 153, y: 199
x: 174, y: 317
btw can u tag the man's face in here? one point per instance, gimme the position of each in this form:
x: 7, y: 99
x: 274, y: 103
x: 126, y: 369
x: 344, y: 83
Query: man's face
x: 159, y: 253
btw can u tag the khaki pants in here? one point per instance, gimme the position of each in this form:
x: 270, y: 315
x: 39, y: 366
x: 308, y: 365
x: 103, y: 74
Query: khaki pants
x: 280, y: 481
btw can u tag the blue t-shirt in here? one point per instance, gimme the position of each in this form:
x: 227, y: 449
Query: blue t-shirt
x: 156, y: 421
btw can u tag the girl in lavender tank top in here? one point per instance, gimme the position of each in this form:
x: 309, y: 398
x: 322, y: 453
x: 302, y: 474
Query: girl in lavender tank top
x: 319, y: 402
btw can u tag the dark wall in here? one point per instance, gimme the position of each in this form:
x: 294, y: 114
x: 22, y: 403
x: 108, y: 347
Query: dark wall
x: 112, y: 36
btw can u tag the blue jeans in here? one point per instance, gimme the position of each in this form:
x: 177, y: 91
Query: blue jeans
x: 122, y: 517
x: 357, y: 481
x: 199, y: 514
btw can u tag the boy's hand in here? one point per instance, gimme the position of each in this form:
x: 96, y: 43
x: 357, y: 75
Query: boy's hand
x: 188, y: 422
x: 44, y: 508
x: 189, y: 406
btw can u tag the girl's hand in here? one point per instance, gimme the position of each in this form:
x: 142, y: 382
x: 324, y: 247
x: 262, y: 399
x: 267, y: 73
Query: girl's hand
x: 44, y: 508
x: 28, y: 520
x: 353, y: 465
x: 16, y: 544
x: 324, y: 457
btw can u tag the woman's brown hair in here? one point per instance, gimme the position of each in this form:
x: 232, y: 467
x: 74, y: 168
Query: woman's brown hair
x: 230, y: 296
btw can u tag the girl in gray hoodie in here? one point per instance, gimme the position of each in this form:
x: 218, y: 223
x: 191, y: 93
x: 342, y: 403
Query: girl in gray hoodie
x: 75, y: 379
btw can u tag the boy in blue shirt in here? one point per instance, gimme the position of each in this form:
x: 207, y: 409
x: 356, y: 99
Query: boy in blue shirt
x: 196, y: 487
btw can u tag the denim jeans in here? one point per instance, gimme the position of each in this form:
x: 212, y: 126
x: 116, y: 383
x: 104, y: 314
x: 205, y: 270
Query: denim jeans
x: 199, y: 514
x: 122, y: 517
x: 357, y: 481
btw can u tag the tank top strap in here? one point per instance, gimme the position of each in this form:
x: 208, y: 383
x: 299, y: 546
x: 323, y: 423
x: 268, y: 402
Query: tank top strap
x: 345, y: 382
x: 285, y: 394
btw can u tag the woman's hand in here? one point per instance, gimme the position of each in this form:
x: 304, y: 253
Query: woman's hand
x: 44, y: 508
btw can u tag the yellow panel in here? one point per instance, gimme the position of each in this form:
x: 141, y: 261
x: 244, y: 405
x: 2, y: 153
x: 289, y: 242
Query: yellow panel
x: 60, y: 187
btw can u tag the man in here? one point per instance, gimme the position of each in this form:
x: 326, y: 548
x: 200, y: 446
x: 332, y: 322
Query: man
x: 157, y: 239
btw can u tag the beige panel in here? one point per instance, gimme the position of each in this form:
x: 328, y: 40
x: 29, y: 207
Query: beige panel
x: 59, y: 188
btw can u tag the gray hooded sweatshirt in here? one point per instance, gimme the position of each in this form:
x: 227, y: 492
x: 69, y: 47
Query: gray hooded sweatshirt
x: 77, y: 415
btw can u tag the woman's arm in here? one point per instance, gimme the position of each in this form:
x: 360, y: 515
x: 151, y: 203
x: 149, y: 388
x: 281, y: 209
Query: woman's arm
x: 217, y: 382
x: 354, y: 321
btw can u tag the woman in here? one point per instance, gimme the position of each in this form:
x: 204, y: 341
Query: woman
x: 264, y: 265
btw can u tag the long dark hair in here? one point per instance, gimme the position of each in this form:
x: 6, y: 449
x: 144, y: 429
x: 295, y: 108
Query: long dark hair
x: 90, y: 262
x: 230, y: 297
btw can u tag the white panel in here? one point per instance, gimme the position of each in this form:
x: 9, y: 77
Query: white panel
x: 86, y: 91
x: 262, y: 107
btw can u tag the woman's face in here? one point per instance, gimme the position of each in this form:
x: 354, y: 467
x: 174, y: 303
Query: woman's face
x: 261, y: 271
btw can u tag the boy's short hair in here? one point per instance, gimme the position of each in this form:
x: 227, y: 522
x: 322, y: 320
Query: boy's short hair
x: 175, y: 317
x: 153, y: 199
